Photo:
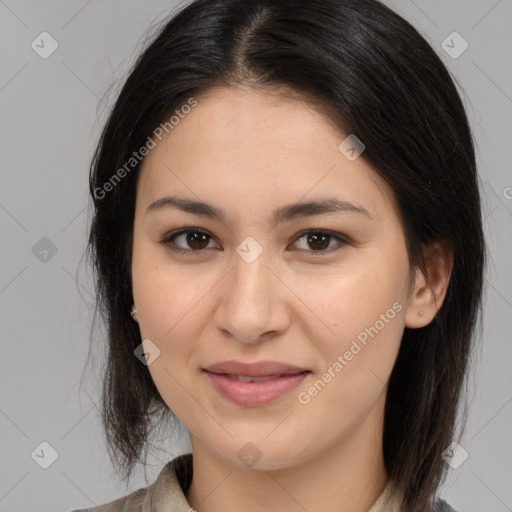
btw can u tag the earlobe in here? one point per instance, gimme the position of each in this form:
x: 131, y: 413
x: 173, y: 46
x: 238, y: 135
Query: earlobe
x: 134, y: 312
x: 429, y: 290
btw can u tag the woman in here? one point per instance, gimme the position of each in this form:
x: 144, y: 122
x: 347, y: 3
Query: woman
x: 289, y: 253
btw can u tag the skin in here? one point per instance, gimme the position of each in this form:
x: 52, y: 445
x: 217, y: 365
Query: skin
x: 248, y: 153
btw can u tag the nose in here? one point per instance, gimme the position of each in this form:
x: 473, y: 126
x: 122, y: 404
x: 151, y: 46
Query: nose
x: 254, y: 302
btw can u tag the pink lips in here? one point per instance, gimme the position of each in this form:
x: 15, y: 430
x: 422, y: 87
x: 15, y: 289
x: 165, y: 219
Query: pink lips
x: 284, y: 378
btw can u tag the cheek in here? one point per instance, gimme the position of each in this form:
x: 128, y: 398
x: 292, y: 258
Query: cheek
x: 172, y: 316
x: 364, y: 309
x: 171, y: 310
x: 367, y: 317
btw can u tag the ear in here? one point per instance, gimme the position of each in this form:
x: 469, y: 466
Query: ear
x: 429, y: 290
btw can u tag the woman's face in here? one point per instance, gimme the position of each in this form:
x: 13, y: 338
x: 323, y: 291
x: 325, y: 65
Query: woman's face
x: 251, y: 287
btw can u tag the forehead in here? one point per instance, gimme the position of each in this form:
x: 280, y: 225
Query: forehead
x: 242, y: 119
x: 239, y: 143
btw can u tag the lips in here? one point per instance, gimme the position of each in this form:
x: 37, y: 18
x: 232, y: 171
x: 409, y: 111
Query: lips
x: 254, y: 384
x: 258, y: 369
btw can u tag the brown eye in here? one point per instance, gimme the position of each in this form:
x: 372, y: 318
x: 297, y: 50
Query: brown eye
x: 195, y: 240
x: 317, y: 241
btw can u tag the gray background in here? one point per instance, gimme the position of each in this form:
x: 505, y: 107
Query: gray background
x: 52, y: 112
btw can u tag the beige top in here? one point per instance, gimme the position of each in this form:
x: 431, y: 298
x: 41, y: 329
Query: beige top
x: 168, y: 493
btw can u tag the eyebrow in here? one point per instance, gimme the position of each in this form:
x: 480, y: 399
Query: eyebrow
x: 281, y: 214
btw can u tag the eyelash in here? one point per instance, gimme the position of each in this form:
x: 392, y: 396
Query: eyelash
x: 168, y: 239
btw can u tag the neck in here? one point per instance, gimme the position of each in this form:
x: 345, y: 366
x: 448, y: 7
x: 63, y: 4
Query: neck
x: 347, y: 476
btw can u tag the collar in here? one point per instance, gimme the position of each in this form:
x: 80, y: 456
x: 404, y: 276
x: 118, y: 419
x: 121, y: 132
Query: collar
x: 169, y: 490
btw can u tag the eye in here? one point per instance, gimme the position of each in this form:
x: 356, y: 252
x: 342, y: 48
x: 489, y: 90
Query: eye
x: 197, y: 240
x: 194, y: 237
x: 319, y: 240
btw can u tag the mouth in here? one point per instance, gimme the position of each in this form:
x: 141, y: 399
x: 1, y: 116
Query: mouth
x: 248, y: 378
x: 254, y: 391
x: 256, y: 369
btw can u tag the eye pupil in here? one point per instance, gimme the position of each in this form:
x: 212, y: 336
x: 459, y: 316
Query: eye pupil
x: 194, y: 237
x: 316, y: 238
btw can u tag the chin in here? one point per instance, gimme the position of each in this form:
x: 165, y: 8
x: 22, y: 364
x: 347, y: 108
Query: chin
x: 263, y: 455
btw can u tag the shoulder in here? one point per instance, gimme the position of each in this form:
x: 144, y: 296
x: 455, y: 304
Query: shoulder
x: 442, y: 506
x: 166, y: 493
x: 132, y: 502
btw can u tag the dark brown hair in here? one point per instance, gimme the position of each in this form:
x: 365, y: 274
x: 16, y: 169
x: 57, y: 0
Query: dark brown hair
x: 379, y: 79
